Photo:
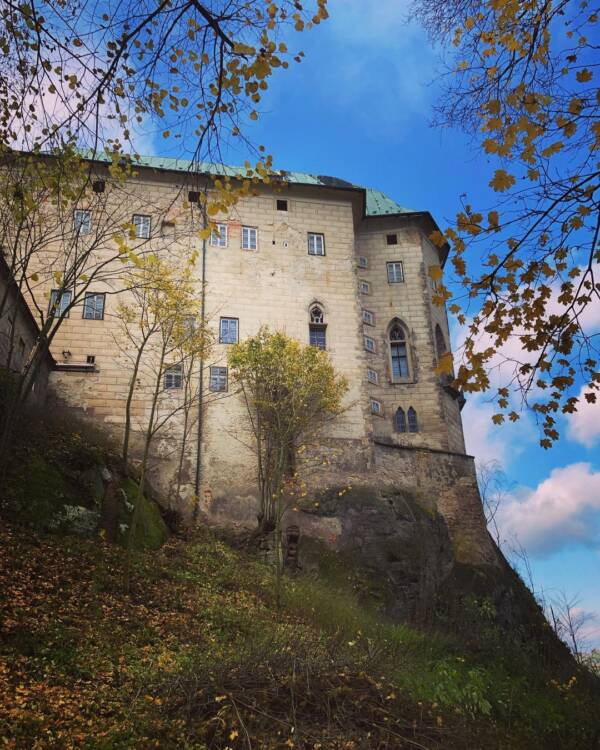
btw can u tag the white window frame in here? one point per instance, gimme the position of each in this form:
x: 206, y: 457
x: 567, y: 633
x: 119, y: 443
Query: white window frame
x: 370, y: 344
x: 372, y: 376
x: 249, y: 238
x: 82, y: 221
x: 364, y: 287
x: 393, y: 277
x: 368, y: 317
x: 173, y: 378
x: 89, y: 304
x: 316, y: 243
x: 143, y: 226
x: 218, y: 236
x: 62, y: 304
x: 218, y: 376
x: 376, y: 407
x: 363, y: 261
x: 237, y: 329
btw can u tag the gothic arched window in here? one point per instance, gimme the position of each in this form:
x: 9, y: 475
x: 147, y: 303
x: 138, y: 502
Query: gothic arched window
x: 440, y: 343
x: 400, y: 420
x: 398, y: 340
x: 413, y: 425
x: 317, y: 328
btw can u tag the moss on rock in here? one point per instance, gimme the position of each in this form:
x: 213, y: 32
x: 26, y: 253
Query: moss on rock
x: 151, y: 531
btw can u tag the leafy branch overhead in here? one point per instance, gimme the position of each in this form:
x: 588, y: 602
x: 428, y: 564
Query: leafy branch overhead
x: 523, y: 81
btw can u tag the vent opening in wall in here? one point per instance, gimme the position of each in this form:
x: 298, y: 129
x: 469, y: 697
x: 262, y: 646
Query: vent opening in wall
x: 193, y: 196
x: 98, y: 186
x: 282, y: 205
x: 391, y: 239
x: 91, y: 359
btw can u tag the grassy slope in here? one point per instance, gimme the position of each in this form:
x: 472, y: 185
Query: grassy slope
x: 196, y: 656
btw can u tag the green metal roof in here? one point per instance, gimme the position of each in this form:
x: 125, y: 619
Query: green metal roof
x: 376, y: 202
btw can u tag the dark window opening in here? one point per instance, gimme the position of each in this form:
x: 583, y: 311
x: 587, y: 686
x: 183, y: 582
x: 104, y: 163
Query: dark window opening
x: 282, y: 205
x: 91, y: 359
x: 413, y: 425
x: 391, y: 239
x: 399, y: 353
x: 98, y: 186
x: 400, y: 420
x: 193, y: 196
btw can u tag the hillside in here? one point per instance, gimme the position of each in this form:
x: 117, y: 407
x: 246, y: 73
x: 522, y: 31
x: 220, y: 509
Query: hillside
x: 197, y: 656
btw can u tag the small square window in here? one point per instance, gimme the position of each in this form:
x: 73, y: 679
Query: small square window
x: 369, y: 343
x: 363, y: 261
x: 249, y: 238
x: 98, y: 186
x: 372, y: 376
x: 82, y: 221
x: 59, y: 308
x: 364, y: 287
x: 368, y: 317
x: 173, y: 377
x: 218, y: 236
x: 193, y: 196
x: 391, y: 239
x: 376, y: 407
x: 316, y: 244
x: 395, y: 272
x: 282, y: 205
x: 90, y: 359
x: 93, y: 306
x: 141, y: 222
x: 218, y: 379
x: 228, y: 331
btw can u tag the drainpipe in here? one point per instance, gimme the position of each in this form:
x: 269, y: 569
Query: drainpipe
x: 201, y: 375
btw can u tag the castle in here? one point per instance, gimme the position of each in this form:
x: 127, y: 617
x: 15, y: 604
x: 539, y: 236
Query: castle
x: 338, y: 266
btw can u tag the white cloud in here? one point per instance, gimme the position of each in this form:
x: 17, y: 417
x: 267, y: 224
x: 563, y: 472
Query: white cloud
x: 561, y: 511
x: 584, y: 425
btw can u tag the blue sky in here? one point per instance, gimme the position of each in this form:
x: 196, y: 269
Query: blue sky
x: 359, y: 107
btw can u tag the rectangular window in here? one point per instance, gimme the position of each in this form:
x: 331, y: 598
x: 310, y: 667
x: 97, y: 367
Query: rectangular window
x: 363, y: 261
x: 376, y: 407
x: 364, y: 287
x: 249, y: 238
x: 368, y: 317
x: 372, y: 376
x: 399, y: 355
x: 218, y: 379
x: 218, y: 236
x: 369, y: 343
x: 228, y: 331
x: 391, y: 239
x: 316, y: 244
x: 57, y: 308
x: 282, y: 205
x: 395, y: 272
x: 82, y: 221
x: 93, y: 306
x: 142, y: 223
x: 173, y: 377
x: 318, y: 336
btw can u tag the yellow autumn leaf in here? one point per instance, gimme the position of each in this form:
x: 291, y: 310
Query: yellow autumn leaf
x: 435, y: 273
x: 583, y: 76
x: 502, y: 181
